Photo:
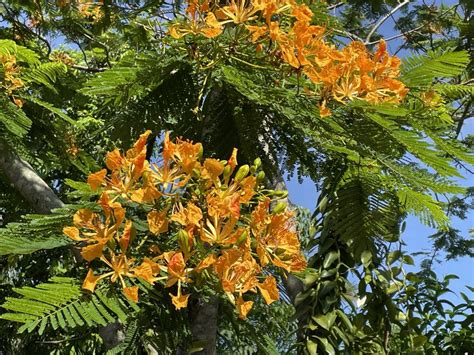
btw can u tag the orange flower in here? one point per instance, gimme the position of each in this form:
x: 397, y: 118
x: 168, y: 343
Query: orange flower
x: 147, y: 270
x: 188, y: 216
x: 176, y: 270
x: 238, y: 12
x: 131, y: 293
x: 180, y: 301
x: 219, y: 232
x: 243, y: 307
x: 95, y: 180
x: 237, y: 272
x: 120, y: 269
x: 277, y: 242
x: 157, y: 221
x: 114, y: 160
x: 269, y: 290
x: 96, y: 232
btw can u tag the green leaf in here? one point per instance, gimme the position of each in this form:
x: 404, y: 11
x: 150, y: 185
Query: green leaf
x: 420, y: 70
x: 52, y: 109
x: 366, y: 257
x: 325, y: 320
x: 13, y: 118
x: 330, y: 258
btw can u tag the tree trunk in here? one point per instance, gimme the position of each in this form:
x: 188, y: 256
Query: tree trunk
x: 203, y: 318
x: 22, y: 176
x: 43, y: 199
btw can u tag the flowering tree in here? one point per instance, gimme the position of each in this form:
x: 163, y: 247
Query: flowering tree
x: 171, y: 249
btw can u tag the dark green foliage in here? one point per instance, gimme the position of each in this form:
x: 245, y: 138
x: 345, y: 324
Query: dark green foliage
x: 61, y: 304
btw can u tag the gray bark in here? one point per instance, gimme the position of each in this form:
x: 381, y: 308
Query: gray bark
x: 203, y: 318
x: 22, y: 176
x: 42, y: 199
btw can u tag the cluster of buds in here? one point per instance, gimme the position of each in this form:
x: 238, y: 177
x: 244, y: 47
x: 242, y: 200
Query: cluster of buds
x: 283, y: 28
x: 182, y: 221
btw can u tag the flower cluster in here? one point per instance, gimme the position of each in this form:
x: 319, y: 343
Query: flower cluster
x: 185, y: 221
x: 10, y: 80
x: 283, y: 28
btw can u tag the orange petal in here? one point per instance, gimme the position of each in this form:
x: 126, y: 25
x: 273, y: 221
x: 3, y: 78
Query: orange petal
x: 131, y: 293
x: 140, y: 144
x: 139, y: 164
x: 73, y: 233
x: 147, y: 270
x: 145, y: 195
x: 235, y: 206
x: 232, y: 162
x: 157, y: 222
x: 214, y: 168
x: 96, y: 179
x: 269, y: 290
x: 243, y: 307
x: 206, y: 262
x: 323, y: 110
x: 126, y: 235
x: 180, y: 301
x: 83, y: 217
x: 90, y: 281
x: 92, y: 252
x: 114, y: 160
x: 194, y: 214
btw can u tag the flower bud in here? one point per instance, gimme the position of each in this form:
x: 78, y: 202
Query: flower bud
x: 183, y: 241
x: 257, y: 163
x: 242, y: 172
x: 242, y: 238
x: 201, y: 151
x: 279, y: 207
x: 227, y: 171
x: 260, y: 176
x: 281, y: 194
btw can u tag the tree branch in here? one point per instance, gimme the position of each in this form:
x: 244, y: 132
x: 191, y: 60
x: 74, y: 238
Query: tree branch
x: 23, y: 177
x: 383, y: 19
x: 88, y: 69
x: 397, y: 36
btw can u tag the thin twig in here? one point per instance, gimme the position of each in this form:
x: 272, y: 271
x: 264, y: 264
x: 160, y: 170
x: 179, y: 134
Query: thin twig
x: 385, y: 18
x: 397, y: 36
x: 88, y: 69
x: 335, y: 6
x: 348, y: 34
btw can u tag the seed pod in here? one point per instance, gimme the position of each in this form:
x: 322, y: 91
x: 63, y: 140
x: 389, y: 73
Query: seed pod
x: 242, y: 172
